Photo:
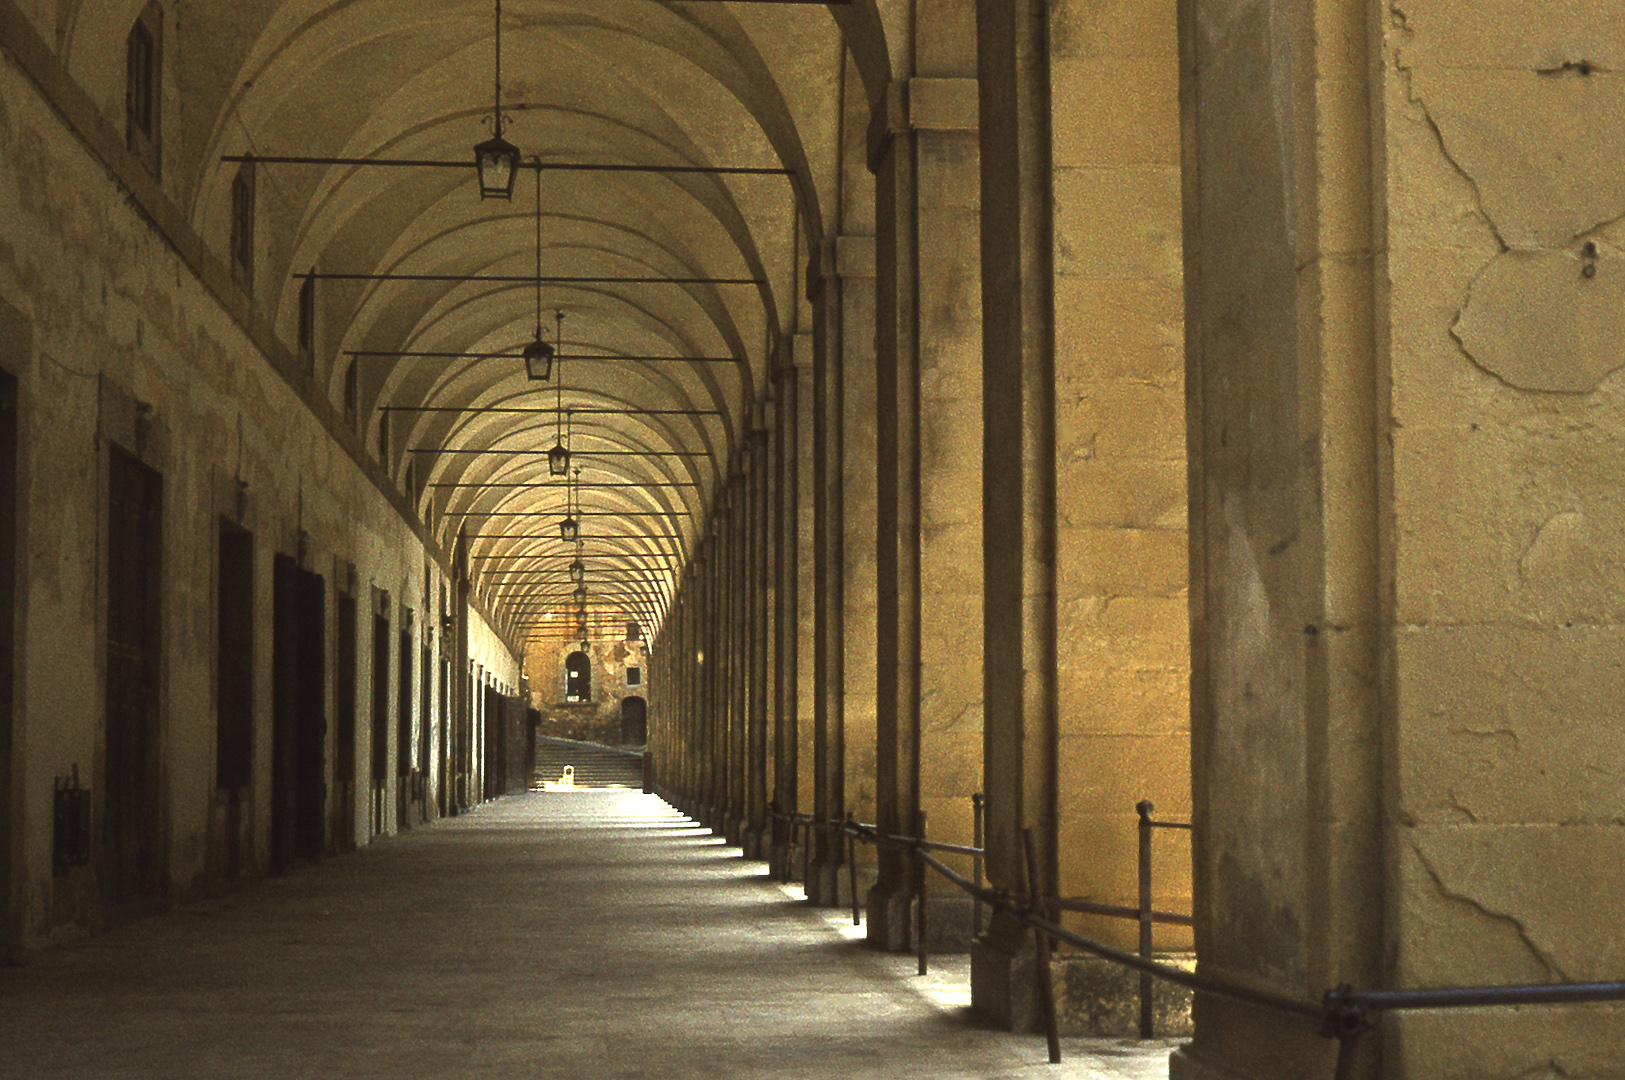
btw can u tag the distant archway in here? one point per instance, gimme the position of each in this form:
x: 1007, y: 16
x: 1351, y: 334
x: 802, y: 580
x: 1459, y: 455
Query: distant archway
x: 577, y: 677
x: 634, y: 721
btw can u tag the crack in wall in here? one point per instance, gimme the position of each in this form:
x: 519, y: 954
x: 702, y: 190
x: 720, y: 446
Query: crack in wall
x: 1485, y: 330
x: 1553, y: 969
x: 1488, y: 733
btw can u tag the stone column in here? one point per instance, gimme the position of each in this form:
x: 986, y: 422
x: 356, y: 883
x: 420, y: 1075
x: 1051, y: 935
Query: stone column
x: 786, y: 613
x: 929, y: 480
x: 705, y: 662
x: 855, y: 265
x: 688, y: 670
x: 1018, y: 502
x: 758, y: 593
x: 739, y: 645
x: 1288, y: 691
x: 897, y: 542
x: 829, y: 523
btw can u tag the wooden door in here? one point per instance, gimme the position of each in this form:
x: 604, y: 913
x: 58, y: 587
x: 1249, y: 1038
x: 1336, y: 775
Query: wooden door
x: 130, y: 870
x: 10, y: 818
x: 299, y: 716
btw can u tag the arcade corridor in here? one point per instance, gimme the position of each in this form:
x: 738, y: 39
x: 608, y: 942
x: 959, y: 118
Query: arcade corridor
x: 596, y: 934
x: 987, y: 420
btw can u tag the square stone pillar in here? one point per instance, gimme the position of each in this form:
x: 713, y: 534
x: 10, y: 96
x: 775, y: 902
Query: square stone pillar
x: 928, y: 398
x: 759, y: 597
x: 1018, y: 497
x: 1289, y: 597
x: 787, y: 788
x: 831, y: 524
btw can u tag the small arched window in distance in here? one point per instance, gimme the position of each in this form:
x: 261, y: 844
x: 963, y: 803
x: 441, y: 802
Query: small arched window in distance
x: 577, y: 677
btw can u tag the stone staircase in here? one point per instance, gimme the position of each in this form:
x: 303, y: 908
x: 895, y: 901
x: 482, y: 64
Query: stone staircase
x: 595, y: 766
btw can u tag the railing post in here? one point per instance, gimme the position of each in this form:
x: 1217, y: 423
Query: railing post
x: 976, y: 863
x: 1147, y: 1024
x: 919, y: 892
x: 852, y: 870
x: 1046, y: 989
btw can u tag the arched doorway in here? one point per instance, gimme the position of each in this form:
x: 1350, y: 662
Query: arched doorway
x: 634, y: 721
x: 577, y: 677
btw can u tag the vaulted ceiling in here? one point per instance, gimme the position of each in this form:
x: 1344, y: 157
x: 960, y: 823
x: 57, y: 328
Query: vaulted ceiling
x: 659, y: 374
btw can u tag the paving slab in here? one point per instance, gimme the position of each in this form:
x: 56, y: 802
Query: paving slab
x: 594, y: 934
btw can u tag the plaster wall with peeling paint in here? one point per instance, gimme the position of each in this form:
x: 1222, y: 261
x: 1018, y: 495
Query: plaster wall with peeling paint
x: 1404, y: 333
x: 1506, y: 289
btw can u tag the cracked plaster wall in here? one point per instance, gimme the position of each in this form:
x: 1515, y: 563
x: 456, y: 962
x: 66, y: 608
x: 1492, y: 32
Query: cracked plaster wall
x: 1504, y: 126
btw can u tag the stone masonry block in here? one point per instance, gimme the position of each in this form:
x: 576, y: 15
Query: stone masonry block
x: 1115, y: 111
x: 1118, y: 223
x: 1120, y: 328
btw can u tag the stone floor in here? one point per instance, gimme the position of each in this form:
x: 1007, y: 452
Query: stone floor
x: 583, y: 935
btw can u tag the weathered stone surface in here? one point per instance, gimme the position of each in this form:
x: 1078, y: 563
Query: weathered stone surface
x: 1546, y: 320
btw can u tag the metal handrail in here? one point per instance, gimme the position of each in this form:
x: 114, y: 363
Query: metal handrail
x: 1344, y: 1012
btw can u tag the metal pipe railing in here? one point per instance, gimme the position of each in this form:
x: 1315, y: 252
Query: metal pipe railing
x: 1344, y: 1013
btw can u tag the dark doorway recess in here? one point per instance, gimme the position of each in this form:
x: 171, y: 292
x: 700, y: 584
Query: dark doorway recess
x: 634, y: 721
x: 380, y: 719
x: 344, y: 727
x: 577, y: 677
x: 533, y: 725
x: 495, y: 728
x: 443, y: 793
x: 425, y: 726
x: 10, y: 818
x: 130, y: 869
x: 298, y: 720
x: 403, y: 728
x: 234, y: 683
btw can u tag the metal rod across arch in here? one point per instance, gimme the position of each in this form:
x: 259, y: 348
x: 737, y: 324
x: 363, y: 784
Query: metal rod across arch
x: 539, y: 166
x: 578, y: 513
x: 503, y: 451
x: 369, y: 354
x: 525, y: 279
x: 519, y: 410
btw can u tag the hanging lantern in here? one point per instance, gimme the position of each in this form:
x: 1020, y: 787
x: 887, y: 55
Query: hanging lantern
x: 568, y: 529
x: 539, y: 364
x: 578, y: 573
x: 497, y: 161
x: 558, y: 459
x: 581, y: 594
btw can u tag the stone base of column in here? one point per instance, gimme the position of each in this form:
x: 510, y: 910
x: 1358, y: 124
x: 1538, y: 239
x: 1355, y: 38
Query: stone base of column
x: 948, y: 923
x: 781, y: 864
x: 1003, y: 970
x: 734, y: 830
x: 707, y: 816
x: 823, y: 884
x: 890, y: 912
x: 1095, y: 997
x: 758, y: 843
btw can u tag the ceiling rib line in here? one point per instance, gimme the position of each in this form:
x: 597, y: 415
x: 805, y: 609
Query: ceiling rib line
x: 533, y: 166
x: 376, y: 354
x: 525, y: 279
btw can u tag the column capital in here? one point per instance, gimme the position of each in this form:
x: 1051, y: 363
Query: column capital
x: 911, y: 105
